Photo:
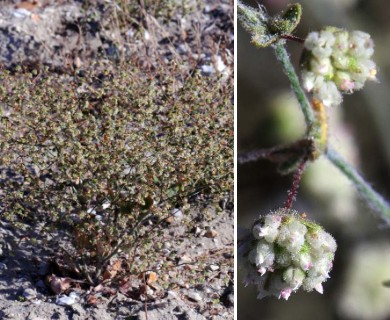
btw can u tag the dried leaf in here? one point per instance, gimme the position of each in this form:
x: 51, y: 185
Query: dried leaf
x: 91, y: 299
x: 117, y: 265
x: 109, y: 274
x: 112, y: 270
x: 151, y: 277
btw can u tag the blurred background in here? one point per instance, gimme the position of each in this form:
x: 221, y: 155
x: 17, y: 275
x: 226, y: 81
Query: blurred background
x: 268, y: 115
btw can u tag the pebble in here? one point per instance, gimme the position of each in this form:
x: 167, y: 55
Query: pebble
x: 184, y: 259
x: 195, y: 296
x: 3, y: 266
x: 68, y: 300
x: 165, y: 252
x: 211, y: 233
x: 213, y: 267
x: 178, y: 214
x: 29, y: 294
x: 197, y: 231
x: 172, y: 294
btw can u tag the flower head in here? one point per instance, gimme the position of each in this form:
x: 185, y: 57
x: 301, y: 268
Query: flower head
x: 288, y: 252
x: 336, y: 62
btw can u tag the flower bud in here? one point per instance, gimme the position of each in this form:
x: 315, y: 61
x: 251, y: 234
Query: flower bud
x: 287, y: 252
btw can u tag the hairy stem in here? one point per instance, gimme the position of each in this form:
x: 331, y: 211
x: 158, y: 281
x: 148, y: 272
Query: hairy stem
x: 283, y: 56
x: 374, y: 200
x: 292, y: 193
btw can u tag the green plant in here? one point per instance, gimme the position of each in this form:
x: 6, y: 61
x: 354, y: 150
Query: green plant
x: 105, y: 156
x: 334, y: 62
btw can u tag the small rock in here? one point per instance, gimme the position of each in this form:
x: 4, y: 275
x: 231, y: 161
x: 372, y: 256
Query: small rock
x: 29, y: 294
x: 165, y: 252
x: 121, y: 297
x: 213, y: 267
x: 178, y: 214
x: 195, y: 296
x: 21, y: 13
x: 172, y: 294
x: 184, y: 259
x: 197, y: 231
x: 207, y: 69
x: 211, y: 233
x: 68, y: 300
x: 3, y: 266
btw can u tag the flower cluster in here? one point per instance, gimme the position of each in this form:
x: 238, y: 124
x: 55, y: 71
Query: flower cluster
x: 288, y: 252
x: 336, y: 61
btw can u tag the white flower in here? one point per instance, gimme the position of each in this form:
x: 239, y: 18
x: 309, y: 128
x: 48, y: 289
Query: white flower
x: 292, y: 236
x: 336, y: 62
x: 299, y: 254
x: 329, y: 94
x: 320, y: 44
x: 311, y: 80
x: 322, y: 67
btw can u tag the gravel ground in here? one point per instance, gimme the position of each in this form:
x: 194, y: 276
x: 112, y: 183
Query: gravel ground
x: 206, y: 248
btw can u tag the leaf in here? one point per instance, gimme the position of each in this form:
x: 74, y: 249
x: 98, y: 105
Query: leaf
x: 151, y: 277
x: 112, y: 270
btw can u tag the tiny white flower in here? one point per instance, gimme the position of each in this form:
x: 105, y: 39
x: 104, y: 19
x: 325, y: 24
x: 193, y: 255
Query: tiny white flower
x: 292, y: 236
x: 322, y: 67
x: 305, y: 261
x: 329, y: 94
x: 285, y: 293
x: 311, y: 80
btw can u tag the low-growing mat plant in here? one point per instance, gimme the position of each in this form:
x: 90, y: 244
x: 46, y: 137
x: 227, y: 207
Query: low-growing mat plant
x: 103, y: 157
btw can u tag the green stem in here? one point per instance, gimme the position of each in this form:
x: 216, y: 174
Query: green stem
x: 284, y: 58
x: 375, y: 200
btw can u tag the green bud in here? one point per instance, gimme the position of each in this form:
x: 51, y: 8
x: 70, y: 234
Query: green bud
x: 266, y: 30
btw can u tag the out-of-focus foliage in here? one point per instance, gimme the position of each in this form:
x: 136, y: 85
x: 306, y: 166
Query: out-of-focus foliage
x: 99, y: 153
